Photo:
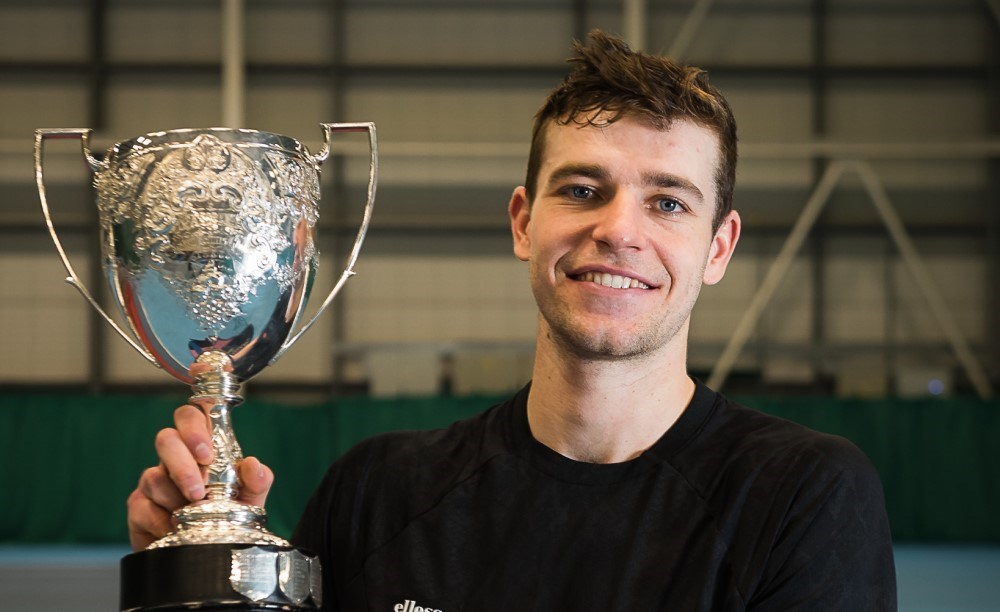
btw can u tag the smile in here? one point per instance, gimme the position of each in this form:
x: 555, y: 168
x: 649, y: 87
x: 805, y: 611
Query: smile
x: 611, y: 280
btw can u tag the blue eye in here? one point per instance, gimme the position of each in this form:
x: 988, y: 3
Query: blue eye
x: 581, y: 192
x: 668, y: 205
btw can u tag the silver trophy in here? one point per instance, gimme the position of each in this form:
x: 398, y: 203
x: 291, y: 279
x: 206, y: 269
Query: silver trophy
x: 207, y: 242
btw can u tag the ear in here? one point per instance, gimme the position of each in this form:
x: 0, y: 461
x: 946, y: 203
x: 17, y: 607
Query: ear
x: 519, y: 210
x: 723, y: 245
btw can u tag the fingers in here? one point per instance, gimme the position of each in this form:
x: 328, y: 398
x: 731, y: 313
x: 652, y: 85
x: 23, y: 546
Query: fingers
x: 177, y: 480
x: 183, y: 452
x: 151, y: 505
x: 147, y: 521
x: 179, y: 465
x: 192, y: 425
x: 255, y: 481
x: 156, y: 486
x: 180, y: 477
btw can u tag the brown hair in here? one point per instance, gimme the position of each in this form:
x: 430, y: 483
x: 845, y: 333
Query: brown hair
x: 610, y: 81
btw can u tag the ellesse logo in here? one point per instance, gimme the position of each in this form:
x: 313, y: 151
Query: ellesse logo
x: 411, y: 606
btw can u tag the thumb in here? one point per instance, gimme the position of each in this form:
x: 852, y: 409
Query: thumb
x: 255, y: 481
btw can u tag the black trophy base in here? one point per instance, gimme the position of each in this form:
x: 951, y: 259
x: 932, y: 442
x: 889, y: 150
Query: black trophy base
x: 195, y: 577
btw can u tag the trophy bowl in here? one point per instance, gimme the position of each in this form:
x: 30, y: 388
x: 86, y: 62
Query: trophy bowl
x: 208, y: 245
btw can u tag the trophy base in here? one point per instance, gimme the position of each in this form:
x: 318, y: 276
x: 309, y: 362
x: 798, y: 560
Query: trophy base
x: 226, y: 577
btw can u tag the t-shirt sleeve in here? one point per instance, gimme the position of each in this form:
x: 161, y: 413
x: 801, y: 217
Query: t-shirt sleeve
x: 329, y: 525
x: 834, y: 551
x: 313, y: 534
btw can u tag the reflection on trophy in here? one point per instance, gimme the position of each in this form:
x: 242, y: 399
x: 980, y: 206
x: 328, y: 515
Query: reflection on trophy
x: 207, y: 241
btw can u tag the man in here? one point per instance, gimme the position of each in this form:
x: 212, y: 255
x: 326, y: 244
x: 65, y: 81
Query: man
x: 613, y: 481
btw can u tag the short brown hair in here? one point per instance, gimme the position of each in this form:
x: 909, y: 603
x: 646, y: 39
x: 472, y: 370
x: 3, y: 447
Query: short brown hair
x: 610, y: 81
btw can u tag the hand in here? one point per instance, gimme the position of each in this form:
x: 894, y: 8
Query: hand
x: 179, y: 478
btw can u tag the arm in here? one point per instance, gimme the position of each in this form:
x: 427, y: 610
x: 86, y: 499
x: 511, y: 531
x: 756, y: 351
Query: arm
x: 834, y: 551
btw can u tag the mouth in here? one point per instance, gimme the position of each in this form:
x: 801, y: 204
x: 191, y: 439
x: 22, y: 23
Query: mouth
x: 614, y: 281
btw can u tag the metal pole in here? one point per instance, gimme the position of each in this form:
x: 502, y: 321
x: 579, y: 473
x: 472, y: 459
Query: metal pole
x: 233, y: 63
x: 97, y: 90
x: 579, y: 19
x: 994, y: 8
x: 820, y: 234
x: 634, y: 20
x: 992, y: 165
x: 688, y: 30
x: 776, y: 273
x: 337, y: 186
x: 97, y: 81
x: 923, y: 280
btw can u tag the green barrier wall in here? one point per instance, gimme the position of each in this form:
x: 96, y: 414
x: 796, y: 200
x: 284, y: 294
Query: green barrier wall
x: 69, y: 462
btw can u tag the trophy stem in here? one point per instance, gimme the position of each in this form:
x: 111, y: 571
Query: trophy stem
x: 217, y: 392
x: 219, y: 518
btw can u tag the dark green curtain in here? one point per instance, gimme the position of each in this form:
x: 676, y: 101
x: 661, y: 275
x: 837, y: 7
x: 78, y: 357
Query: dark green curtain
x: 70, y: 461
x: 939, y: 459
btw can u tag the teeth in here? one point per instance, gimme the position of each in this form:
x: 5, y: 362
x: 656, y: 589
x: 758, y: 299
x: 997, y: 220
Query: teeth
x: 612, y: 280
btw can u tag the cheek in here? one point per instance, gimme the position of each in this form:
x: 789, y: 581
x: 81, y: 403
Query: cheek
x: 542, y: 265
x: 681, y: 254
x: 547, y: 247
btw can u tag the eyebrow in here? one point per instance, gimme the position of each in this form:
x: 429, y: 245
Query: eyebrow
x: 599, y: 173
x: 672, y: 181
x: 591, y: 171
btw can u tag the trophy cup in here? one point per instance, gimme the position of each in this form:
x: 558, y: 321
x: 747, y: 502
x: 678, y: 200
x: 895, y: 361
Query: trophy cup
x: 207, y: 242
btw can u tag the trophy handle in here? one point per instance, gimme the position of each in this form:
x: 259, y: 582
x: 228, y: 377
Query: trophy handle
x: 41, y: 135
x: 318, y: 159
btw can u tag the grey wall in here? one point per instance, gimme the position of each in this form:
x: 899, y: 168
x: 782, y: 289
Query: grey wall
x: 911, y: 87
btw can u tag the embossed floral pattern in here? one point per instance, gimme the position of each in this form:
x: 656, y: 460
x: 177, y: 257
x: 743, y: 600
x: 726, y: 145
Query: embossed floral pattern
x: 213, y: 219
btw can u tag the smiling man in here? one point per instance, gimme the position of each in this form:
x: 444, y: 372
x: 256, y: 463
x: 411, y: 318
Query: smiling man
x: 613, y: 481
x: 619, y: 237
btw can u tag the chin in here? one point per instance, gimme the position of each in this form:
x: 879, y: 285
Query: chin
x: 599, y: 347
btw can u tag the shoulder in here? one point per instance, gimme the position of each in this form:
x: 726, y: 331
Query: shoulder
x: 809, y: 504
x: 421, y: 449
x: 816, y: 503
x: 763, y: 440
x: 762, y: 471
x: 420, y: 462
x: 393, y: 476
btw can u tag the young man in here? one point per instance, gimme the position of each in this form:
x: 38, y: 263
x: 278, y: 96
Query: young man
x: 613, y: 481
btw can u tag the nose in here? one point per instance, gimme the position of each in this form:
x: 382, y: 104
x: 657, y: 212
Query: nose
x: 618, y: 223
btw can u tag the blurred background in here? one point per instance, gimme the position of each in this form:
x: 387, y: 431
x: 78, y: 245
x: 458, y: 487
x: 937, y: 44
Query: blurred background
x: 863, y: 298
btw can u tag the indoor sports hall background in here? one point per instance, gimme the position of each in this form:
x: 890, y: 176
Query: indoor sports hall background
x: 863, y: 299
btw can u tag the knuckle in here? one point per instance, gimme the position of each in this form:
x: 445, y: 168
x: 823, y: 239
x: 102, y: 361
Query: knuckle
x: 151, y: 473
x: 164, y: 438
x: 187, y: 414
x: 157, y: 478
x: 139, y: 509
x: 148, y: 479
x: 133, y: 501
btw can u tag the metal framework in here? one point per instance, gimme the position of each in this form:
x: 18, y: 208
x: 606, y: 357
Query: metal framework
x: 828, y: 157
x: 914, y: 262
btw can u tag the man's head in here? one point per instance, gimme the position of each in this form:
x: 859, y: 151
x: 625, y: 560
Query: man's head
x: 610, y: 81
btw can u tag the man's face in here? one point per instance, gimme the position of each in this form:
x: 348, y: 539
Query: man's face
x: 619, y: 236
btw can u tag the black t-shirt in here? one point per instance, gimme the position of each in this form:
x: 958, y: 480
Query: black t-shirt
x: 731, y: 509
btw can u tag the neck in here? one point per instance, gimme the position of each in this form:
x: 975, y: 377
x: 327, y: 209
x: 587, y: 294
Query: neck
x: 605, y: 411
